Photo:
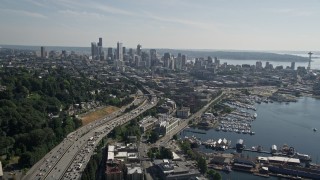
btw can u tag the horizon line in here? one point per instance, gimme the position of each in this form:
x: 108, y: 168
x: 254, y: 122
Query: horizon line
x: 190, y: 49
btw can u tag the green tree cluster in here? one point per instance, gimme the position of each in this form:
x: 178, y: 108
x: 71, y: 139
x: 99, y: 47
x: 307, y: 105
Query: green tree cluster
x: 201, y: 161
x: 34, y: 104
x: 121, y: 133
x: 212, y: 174
x: 160, y: 153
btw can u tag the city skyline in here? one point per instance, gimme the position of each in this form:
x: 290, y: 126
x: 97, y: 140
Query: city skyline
x: 245, y: 25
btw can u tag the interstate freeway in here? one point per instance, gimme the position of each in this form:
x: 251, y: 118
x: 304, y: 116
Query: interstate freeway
x: 68, y: 159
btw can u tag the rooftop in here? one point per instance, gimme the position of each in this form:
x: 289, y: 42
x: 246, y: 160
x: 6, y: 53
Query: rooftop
x: 284, y: 159
x: 134, y: 170
x: 1, y: 172
x: 111, y: 148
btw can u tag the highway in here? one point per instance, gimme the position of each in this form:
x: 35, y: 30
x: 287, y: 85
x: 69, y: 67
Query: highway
x: 56, y: 163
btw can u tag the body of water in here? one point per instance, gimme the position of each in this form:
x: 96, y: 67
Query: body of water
x: 315, y: 64
x: 279, y: 124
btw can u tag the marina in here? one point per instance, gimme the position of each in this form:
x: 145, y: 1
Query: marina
x: 277, y: 124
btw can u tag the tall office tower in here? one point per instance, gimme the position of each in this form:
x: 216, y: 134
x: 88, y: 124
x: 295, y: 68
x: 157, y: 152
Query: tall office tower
x: 119, y: 52
x: 267, y: 65
x: 63, y: 54
x: 183, y: 60
x: 110, y: 54
x: 210, y: 60
x: 293, y: 65
x: 172, y: 63
x: 148, y: 62
x: 178, y: 62
x: 100, y: 42
x: 258, y: 65
x: 166, y: 59
x: 94, y: 50
x: 216, y: 61
x: 153, y: 57
x: 43, y: 52
x: 139, y: 50
x: 145, y: 57
x: 131, y: 53
x: 137, y: 60
x: 100, y: 53
x: 124, y: 52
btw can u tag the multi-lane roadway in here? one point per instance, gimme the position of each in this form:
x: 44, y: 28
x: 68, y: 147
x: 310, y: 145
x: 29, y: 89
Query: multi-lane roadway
x: 68, y: 159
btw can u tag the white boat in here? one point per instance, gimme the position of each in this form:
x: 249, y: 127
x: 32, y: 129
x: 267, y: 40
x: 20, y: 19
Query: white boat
x: 227, y: 169
x: 255, y: 115
x: 302, y: 157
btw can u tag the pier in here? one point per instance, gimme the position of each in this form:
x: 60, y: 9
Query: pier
x: 252, y: 150
x: 197, y: 132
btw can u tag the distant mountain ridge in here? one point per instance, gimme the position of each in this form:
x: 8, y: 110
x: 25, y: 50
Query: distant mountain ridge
x: 220, y: 54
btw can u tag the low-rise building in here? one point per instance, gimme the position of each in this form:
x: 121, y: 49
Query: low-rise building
x: 114, y: 170
x: 1, y: 171
x: 134, y: 172
x: 147, y: 123
x: 169, y: 170
x: 183, y: 113
x: 166, y: 124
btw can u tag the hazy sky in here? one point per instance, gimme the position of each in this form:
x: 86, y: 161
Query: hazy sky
x: 186, y: 24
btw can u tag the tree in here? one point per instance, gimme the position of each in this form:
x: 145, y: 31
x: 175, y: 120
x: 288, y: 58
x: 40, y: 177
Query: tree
x: 165, y: 153
x: 202, y: 165
x: 217, y: 176
x: 175, y: 137
x: 154, y: 136
x: 211, y: 173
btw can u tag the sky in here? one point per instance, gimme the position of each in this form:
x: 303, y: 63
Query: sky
x: 177, y: 24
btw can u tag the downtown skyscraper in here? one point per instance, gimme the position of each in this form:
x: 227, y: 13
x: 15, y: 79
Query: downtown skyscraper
x: 97, y: 50
x: 119, y: 53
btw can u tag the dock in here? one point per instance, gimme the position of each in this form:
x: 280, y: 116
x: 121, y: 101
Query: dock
x: 253, y: 150
x: 197, y: 132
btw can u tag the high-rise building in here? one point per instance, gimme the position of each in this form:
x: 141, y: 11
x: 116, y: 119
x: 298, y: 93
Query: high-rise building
x: 43, y: 52
x: 178, y: 63
x: 124, y: 52
x: 172, y: 63
x: 183, y: 60
x: 63, y: 54
x: 210, y: 60
x: 258, y: 65
x: 110, y: 54
x: 153, y: 57
x: 97, y: 50
x: 216, y: 61
x: 94, y: 50
x: 100, y: 50
x: 293, y: 65
x: 100, y: 42
x: 131, y: 53
x: 139, y: 50
x: 267, y: 65
x: 119, y: 51
x: 166, y: 60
